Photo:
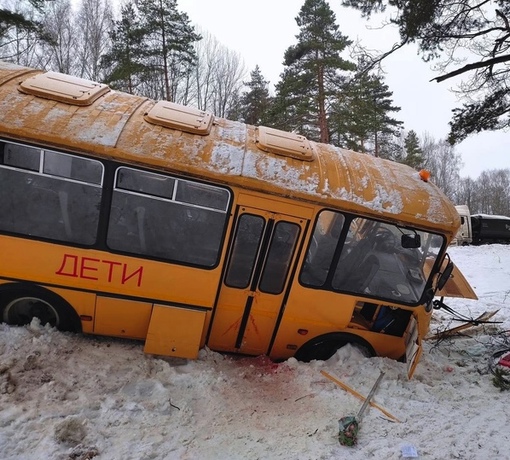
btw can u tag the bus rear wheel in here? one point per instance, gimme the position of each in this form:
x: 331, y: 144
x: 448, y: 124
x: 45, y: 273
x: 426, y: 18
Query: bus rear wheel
x: 19, y: 305
x: 325, y: 346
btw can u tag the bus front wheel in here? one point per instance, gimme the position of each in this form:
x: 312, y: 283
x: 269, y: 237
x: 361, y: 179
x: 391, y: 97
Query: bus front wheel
x: 20, y: 304
x: 325, y: 346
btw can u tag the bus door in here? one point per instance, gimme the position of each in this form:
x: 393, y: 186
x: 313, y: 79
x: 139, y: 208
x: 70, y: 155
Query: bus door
x: 261, y: 256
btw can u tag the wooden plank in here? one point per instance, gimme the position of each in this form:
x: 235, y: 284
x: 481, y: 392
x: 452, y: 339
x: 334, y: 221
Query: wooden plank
x: 485, y: 316
x: 358, y: 395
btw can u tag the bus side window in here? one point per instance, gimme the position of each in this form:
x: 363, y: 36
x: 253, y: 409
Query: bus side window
x: 20, y: 156
x: 39, y: 197
x: 150, y: 217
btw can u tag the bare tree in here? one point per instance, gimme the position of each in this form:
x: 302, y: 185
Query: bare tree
x: 466, y: 193
x: 484, y: 202
x: 218, y: 77
x: 93, y: 23
x: 59, y: 52
x: 207, y: 51
x: 443, y: 162
x: 228, y: 82
x: 494, y: 186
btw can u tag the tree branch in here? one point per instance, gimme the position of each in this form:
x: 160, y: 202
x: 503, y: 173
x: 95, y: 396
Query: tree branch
x: 383, y: 56
x: 504, y: 18
x: 474, y: 65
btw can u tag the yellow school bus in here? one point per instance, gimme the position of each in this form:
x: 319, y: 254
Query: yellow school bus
x: 129, y: 217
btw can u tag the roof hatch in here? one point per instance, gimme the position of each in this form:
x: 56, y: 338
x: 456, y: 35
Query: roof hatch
x: 63, y: 88
x: 283, y: 143
x: 177, y: 116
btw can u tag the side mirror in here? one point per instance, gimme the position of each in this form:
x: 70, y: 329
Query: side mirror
x: 445, y: 276
x: 410, y: 241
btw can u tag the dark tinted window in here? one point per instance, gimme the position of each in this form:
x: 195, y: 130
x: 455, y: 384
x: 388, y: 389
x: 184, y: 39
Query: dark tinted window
x: 279, y: 257
x: 147, y: 219
x: 245, y: 250
x: 41, y: 197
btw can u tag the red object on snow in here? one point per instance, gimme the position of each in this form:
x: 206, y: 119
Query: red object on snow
x: 505, y: 360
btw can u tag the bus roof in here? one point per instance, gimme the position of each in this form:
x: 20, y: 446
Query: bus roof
x: 124, y: 127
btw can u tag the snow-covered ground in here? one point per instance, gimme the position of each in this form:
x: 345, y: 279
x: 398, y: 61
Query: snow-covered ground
x: 68, y: 396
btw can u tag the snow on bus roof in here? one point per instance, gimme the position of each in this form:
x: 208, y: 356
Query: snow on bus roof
x: 114, y: 126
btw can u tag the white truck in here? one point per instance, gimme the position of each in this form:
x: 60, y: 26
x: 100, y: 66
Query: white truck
x: 465, y: 234
x: 481, y: 228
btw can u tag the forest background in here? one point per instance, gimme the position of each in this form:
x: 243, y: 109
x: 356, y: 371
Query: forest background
x: 332, y: 89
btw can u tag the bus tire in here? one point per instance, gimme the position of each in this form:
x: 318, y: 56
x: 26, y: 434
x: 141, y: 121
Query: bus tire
x: 20, y: 303
x: 325, y: 346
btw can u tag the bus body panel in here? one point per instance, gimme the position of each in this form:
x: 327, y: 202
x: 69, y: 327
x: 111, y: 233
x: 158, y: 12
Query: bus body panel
x: 58, y: 265
x: 458, y: 286
x: 122, y: 317
x: 175, y: 332
x: 84, y: 303
x: 310, y: 313
x: 303, y: 321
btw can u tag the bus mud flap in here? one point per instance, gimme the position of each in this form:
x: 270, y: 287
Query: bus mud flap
x: 175, y: 332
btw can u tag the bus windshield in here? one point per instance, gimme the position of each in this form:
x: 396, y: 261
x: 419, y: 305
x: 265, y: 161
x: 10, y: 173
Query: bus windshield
x: 365, y: 256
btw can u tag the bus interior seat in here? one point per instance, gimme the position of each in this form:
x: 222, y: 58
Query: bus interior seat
x: 318, y: 260
x: 126, y: 230
x: 391, y: 321
x: 359, y: 279
x: 367, y: 271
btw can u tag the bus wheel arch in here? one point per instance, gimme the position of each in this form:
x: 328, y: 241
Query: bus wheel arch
x: 21, y: 302
x: 325, y: 346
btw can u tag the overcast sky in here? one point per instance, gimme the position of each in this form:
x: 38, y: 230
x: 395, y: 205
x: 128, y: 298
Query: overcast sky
x: 261, y: 31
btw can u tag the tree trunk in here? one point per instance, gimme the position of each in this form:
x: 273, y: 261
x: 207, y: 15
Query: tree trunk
x: 323, y: 121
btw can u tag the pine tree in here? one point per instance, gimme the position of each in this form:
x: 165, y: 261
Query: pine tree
x: 124, y: 64
x: 413, y: 152
x: 255, y: 102
x: 449, y: 31
x: 312, y: 74
x: 22, y: 32
x: 10, y: 18
x: 170, y: 38
x: 361, y: 118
